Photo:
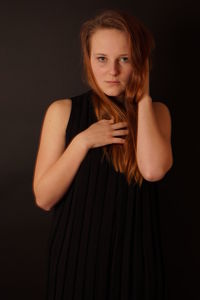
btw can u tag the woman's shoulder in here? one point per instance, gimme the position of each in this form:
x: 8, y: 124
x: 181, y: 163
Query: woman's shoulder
x: 161, y: 110
x: 58, y: 113
x: 60, y: 103
x: 60, y: 109
x: 163, y: 117
x: 160, y: 106
x: 60, y: 106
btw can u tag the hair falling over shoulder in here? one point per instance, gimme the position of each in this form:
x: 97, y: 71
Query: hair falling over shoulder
x: 141, y: 43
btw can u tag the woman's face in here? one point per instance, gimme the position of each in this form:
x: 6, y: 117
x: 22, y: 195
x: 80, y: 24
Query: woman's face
x: 111, y: 60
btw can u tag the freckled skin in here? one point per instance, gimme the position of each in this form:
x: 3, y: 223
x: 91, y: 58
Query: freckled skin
x: 111, y: 60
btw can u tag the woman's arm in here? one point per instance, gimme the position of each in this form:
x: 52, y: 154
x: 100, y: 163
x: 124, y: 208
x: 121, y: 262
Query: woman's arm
x: 154, y: 151
x: 55, y: 166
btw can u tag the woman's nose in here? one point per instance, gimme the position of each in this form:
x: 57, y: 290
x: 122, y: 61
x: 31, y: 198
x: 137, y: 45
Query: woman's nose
x: 114, y: 68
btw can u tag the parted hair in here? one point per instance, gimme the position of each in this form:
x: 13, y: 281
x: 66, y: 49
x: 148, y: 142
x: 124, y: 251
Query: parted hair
x: 141, y: 43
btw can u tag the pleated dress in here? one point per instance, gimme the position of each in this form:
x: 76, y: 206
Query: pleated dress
x: 104, y: 241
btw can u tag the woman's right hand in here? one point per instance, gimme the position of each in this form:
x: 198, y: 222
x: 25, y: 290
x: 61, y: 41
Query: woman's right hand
x: 104, y: 132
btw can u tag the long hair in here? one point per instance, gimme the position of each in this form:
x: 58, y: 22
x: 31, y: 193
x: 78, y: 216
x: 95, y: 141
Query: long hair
x: 141, y: 43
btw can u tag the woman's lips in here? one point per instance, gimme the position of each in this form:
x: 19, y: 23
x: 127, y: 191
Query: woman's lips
x: 112, y: 82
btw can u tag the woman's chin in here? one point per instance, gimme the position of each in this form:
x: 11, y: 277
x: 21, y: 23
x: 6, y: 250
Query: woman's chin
x: 115, y: 97
x: 114, y: 93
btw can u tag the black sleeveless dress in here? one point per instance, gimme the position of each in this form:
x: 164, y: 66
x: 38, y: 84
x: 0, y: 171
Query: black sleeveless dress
x: 104, y: 242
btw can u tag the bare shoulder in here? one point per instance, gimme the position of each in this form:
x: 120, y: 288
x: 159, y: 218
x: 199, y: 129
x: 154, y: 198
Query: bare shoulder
x: 160, y: 106
x: 163, y: 117
x: 59, y: 112
x: 60, y: 106
x: 52, y: 137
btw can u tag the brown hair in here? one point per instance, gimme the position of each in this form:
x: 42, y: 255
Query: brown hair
x: 141, y: 43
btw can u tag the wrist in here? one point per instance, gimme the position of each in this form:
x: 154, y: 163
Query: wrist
x: 82, y: 141
x: 145, y: 98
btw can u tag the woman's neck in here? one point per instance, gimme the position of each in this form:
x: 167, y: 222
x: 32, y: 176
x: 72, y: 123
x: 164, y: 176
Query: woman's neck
x: 117, y: 99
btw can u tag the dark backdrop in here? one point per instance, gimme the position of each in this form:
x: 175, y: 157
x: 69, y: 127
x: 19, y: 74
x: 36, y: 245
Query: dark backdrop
x: 40, y: 62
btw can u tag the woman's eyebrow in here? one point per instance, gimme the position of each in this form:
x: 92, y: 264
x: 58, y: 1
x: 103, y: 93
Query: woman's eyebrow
x: 123, y: 54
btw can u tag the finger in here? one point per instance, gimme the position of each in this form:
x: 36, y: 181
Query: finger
x: 119, y: 125
x: 120, y: 132
x: 118, y: 141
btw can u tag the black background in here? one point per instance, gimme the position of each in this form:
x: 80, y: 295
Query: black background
x: 40, y: 62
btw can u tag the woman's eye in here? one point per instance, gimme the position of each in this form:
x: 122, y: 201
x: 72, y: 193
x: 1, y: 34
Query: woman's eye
x: 124, y: 59
x: 101, y: 58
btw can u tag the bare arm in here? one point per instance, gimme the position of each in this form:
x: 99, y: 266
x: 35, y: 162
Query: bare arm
x: 154, y: 150
x: 57, y: 179
x: 55, y: 166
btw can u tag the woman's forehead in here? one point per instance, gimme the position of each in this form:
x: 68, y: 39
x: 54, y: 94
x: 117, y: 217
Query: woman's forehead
x: 105, y: 40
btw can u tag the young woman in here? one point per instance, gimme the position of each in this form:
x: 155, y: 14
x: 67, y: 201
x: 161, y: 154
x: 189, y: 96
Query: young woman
x: 100, y: 156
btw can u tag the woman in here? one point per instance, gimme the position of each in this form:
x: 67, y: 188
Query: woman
x: 100, y: 156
